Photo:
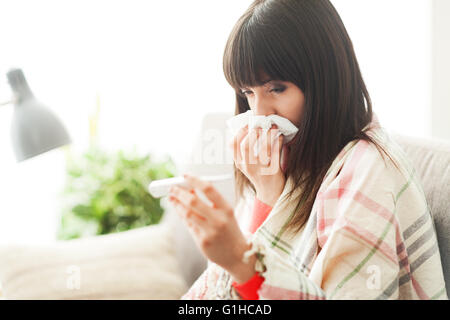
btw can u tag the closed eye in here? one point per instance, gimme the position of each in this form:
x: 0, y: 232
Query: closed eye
x: 275, y: 90
x: 278, y: 90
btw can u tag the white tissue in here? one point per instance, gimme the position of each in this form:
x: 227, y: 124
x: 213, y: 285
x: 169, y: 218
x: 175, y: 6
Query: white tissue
x: 285, y: 127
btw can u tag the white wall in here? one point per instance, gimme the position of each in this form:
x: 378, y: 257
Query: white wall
x: 392, y: 40
x: 441, y: 70
x: 157, y: 68
x: 151, y: 62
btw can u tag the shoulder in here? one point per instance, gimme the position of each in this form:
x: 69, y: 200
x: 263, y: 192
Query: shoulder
x: 368, y: 165
x: 359, y: 196
x: 371, y: 181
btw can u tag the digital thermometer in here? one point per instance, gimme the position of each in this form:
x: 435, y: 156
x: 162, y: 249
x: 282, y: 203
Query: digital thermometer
x: 160, y: 188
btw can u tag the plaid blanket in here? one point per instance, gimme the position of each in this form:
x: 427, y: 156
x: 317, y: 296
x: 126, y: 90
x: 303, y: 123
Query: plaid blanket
x: 370, y: 235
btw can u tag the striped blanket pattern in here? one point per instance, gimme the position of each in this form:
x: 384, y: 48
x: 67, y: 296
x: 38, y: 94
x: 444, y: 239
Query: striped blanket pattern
x: 370, y: 236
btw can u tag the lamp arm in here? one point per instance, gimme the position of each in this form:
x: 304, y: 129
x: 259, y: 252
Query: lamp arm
x: 7, y: 102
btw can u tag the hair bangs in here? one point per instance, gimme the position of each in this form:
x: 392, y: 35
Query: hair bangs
x: 249, y: 58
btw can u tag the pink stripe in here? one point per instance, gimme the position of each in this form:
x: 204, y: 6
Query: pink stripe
x: 202, y: 295
x: 422, y: 295
x: 358, y: 197
x: 361, y: 198
x: 367, y: 203
x: 370, y: 238
x: 276, y: 293
x: 349, y: 167
x: 366, y: 235
x: 320, y: 215
x: 370, y: 204
x: 345, y: 179
x: 325, y: 223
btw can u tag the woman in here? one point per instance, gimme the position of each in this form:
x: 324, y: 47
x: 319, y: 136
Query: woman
x: 344, y: 216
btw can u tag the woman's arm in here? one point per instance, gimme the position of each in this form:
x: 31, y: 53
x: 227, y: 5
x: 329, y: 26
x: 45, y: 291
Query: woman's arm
x: 247, y: 290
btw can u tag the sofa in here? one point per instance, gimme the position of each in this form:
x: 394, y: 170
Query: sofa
x: 162, y: 261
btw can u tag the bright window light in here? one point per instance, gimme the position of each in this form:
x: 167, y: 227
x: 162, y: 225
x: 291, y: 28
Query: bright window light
x: 156, y: 68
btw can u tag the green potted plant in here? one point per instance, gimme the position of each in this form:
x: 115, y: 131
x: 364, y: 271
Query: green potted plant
x: 107, y: 192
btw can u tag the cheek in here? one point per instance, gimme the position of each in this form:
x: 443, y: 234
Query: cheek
x: 292, y: 109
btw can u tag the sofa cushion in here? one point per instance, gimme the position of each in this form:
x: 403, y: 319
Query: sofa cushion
x: 431, y: 159
x: 135, y: 264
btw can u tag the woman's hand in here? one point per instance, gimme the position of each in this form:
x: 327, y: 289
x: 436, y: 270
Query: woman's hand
x: 214, y: 227
x: 264, y: 170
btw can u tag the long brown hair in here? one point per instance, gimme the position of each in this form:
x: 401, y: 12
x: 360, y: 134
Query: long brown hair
x: 304, y: 42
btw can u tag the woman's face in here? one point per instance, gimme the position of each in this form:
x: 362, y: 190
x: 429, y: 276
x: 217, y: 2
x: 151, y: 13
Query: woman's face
x: 281, y: 98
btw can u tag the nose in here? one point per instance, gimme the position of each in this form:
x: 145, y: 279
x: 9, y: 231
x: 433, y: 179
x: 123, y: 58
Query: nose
x: 263, y: 106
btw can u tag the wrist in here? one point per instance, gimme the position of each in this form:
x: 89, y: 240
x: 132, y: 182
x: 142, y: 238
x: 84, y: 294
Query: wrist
x: 268, y: 199
x: 242, y: 272
x: 269, y: 195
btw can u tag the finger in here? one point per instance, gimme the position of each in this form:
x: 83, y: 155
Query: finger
x: 271, y: 135
x: 274, y: 142
x: 274, y: 164
x: 278, y: 144
x: 195, y: 230
x: 191, y: 201
x: 236, y: 142
x: 279, y: 147
x: 264, y: 154
x: 189, y: 216
x: 208, y: 190
x: 193, y: 221
x: 244, y: 150
x: 247, y: 147
x: 241, y: 133
x: 254, y: 145
x: 269, y: 142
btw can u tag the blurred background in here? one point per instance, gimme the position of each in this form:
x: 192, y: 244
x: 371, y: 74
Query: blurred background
x: 131, y: 81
